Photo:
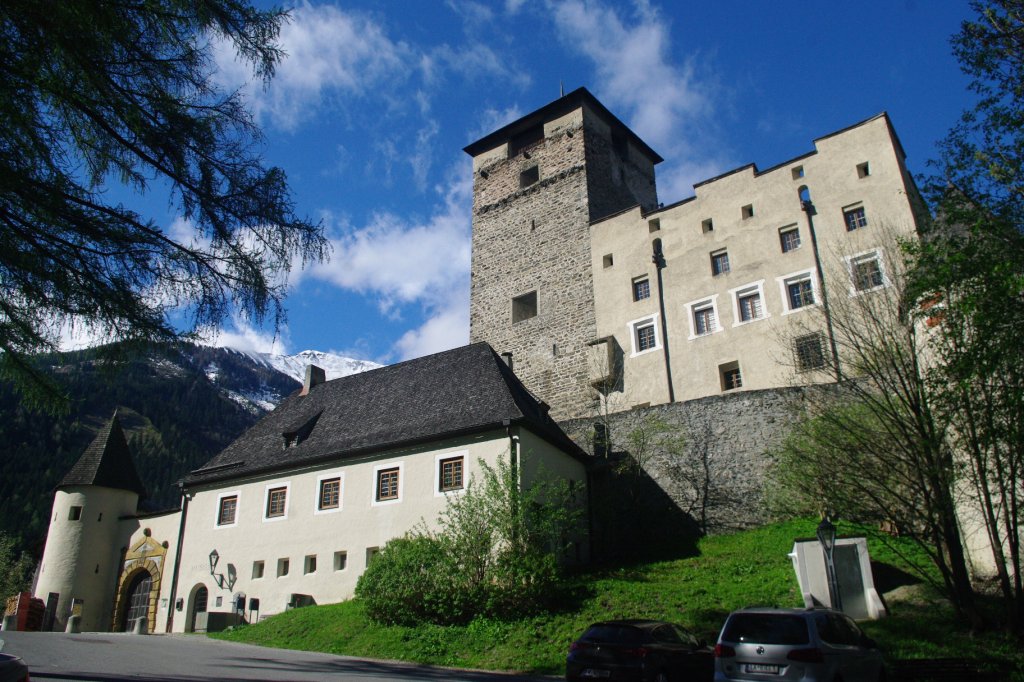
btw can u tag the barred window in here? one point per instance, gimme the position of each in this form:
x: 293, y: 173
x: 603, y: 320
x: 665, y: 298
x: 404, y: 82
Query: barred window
x: 810, y: 352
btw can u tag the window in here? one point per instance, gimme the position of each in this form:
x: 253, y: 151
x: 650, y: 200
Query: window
x: 330, y: 493
x: 809, y: 350
x: 747, y: 211
x: 704, y: 320
x: 387, y: 484
x: 75, y: 513
x: 450, y: 474
x: 863, y: 170
x: 309, y: 565
x: 277, y: 500
x: 798, y: 290
x: 866, y: 272
x: 257, y: 570
x: 855, y: 218
x: 340, y: 561
x: 719, y: 262
x: 730, y: 376
x: 227, y: 510
x: 789, y: 238
x: 282, y: 567
x: 644, y: 334
x: 371, y: 553
x: 749, y: 305
x: 524, y: 307
x: 529, y: 177
x: 607, y: 260
x: 707, y: 226
x: 654, y: 225
x: 641, y: 288
x: 798, y: 172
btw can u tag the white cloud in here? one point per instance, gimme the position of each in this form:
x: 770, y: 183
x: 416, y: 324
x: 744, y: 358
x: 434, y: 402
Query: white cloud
x: 330, y: 53
x: 242, y: 336
x: 447, y: 327
x: 401, y: 262
x: 664, y: 100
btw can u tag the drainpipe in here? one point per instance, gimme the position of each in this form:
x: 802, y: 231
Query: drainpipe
x: 172, y: 602
x: 513, y: 463
x: 809, y: 209
x: 658, y: 258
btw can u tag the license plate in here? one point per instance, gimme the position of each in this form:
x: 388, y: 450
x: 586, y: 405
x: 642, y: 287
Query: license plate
x: 590, y: 672
x: 762, y: 668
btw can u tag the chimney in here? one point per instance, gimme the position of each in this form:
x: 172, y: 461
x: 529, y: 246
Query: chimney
x: 314, y: 375
x: 507, y: 357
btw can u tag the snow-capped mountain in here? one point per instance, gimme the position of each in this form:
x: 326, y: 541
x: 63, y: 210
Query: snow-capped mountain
x: 295, y: 365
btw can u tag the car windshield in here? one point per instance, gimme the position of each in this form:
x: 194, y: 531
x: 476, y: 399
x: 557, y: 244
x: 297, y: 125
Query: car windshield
x: 766, y: 628
x: 621, y: 634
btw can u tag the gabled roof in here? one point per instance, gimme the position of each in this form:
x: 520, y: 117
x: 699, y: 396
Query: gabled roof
x: 457, y: 392
x: 106, y: 462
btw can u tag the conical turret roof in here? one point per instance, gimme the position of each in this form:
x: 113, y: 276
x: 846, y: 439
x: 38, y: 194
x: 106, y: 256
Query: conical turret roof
x: 107, y: 462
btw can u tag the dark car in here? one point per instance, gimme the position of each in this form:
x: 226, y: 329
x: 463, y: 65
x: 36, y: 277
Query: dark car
x: 638, y: 650
x: 810, y: 645
x: 12, y: 669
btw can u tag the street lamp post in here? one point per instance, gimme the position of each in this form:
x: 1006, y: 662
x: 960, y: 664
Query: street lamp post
x: 827, y: 537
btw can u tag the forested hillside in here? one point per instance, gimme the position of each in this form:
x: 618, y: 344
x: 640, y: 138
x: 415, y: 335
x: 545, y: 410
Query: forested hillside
x: 178, y: 405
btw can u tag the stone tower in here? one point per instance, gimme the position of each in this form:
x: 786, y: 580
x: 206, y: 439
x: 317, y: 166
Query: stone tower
x: 537, y: 185
x: 82, y: 558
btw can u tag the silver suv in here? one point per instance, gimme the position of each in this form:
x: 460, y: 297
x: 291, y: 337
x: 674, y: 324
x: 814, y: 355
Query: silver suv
x: 811, y: 645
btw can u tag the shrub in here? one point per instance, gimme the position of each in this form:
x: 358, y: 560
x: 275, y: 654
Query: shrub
x: 496, y: 554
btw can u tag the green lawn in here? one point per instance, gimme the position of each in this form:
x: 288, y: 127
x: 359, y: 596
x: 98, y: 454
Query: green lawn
x: 727, y: 572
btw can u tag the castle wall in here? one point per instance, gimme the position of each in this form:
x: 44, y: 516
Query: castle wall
x: 743, y: 215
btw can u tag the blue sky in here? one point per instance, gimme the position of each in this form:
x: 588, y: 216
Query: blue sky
x: 369, y: 113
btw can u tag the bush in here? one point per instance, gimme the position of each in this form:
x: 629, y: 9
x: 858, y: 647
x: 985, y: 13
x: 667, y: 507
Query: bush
x: 496, y: 555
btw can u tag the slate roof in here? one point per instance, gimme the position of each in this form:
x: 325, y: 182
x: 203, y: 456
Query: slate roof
x: 456, y: 392
x: 106, y: 462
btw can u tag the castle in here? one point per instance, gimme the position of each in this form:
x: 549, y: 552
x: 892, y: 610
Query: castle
x: 598, y: 296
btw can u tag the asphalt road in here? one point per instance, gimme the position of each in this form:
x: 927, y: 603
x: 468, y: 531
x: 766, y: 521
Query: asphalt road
x: 107, y: 657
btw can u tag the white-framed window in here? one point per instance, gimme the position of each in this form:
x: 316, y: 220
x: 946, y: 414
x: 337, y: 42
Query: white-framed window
x: 641, y: 288
x: 866, y: 272
x: 330, y: 489
x: 799, y: 290
x: 854, y: 217
x: 703, y: 316
x: 227, y: 510
x: 644, y: 335
x: 450, y: 473
x: 789, y: 238
x: 748, y: 303
x: 387, y: 483
x: 275, y: 505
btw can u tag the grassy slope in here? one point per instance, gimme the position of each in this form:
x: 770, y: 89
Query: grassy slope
x: 750, y: 568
